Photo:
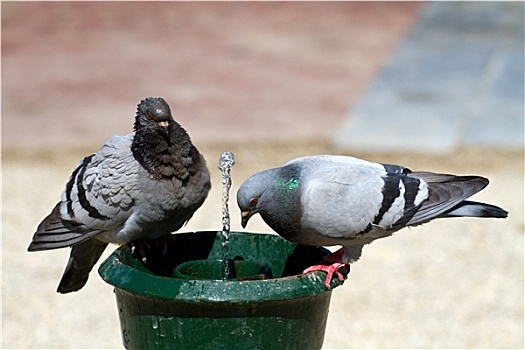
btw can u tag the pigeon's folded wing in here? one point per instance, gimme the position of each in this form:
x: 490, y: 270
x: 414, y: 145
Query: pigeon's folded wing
x: 342, y: 199
x: 99, y: 196
x: 349, y: 196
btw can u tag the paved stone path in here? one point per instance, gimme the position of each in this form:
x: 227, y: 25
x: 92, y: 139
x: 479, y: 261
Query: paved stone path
x: 456, y: 80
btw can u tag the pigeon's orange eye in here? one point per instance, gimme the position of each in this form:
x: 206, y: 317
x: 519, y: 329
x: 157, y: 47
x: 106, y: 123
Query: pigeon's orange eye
x: 253, y: 202
x: 148, y: 116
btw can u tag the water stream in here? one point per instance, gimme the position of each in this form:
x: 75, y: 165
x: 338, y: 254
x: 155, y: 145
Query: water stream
x: 226, y: 162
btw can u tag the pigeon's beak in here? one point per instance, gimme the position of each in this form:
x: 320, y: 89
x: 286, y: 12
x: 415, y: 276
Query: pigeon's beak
x: 164, y: 125
x: 245, y: 216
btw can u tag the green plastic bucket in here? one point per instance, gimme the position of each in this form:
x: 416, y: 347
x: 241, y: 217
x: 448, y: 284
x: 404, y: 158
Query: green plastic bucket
x: 178, y: 302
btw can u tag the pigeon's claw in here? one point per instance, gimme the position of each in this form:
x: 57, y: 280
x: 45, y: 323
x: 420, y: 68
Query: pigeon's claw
x: 140, y: 244
x: 330, y: 270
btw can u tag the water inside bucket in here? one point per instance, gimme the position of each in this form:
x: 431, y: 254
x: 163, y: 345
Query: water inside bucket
x: 212, y: 269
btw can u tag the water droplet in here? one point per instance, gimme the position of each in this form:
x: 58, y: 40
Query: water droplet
x: 162, y: 331
x: 125, y: 336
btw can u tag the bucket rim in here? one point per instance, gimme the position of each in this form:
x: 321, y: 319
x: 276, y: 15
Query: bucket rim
x: 117, y: 273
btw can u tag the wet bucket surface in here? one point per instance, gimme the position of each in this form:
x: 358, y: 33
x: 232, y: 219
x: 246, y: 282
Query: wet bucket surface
x: 192, y: 308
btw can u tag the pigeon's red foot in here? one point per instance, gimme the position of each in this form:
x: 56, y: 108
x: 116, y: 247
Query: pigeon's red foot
x: 330, y: 270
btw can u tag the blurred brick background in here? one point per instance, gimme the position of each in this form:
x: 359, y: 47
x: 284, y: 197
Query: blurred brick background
x: 271, y: 71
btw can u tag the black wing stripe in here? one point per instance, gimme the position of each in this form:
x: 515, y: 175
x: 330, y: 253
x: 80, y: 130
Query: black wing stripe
x: 390, y: 193
x: 71, y: 182
x: 411, y: 191
x: 92, y: 211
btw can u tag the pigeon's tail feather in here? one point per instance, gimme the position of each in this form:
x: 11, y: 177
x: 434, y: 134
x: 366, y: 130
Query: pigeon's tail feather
x: 54, y: 232
x: 81, y: 261
x: 477, y: 210
x: 446, y: 198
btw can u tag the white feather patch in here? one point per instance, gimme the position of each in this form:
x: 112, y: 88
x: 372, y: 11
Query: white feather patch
x: 422, y: 193
x: 396, y: 210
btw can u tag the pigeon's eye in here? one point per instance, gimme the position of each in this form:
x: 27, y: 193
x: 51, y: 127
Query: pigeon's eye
x: 148, y: 115
x: 253, y: 202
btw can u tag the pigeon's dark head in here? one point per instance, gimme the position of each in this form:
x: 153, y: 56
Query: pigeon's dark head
x: 160, y: 144
x: 153, y: 112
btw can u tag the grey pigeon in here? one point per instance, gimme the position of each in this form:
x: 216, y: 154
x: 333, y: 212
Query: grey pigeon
x: 336, y: 200
x: 143, y: 185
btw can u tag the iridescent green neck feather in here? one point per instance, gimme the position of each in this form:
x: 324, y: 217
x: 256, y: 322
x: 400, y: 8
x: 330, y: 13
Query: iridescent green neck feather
x: 286, y: 197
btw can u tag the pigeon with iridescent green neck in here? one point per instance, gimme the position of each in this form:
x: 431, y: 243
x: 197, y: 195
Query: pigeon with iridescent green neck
x: 344, y: 201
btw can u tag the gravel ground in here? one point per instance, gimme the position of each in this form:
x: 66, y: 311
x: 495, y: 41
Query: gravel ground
x: 455, y: 283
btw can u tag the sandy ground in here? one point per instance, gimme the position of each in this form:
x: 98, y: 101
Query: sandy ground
x: 455, y: 283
